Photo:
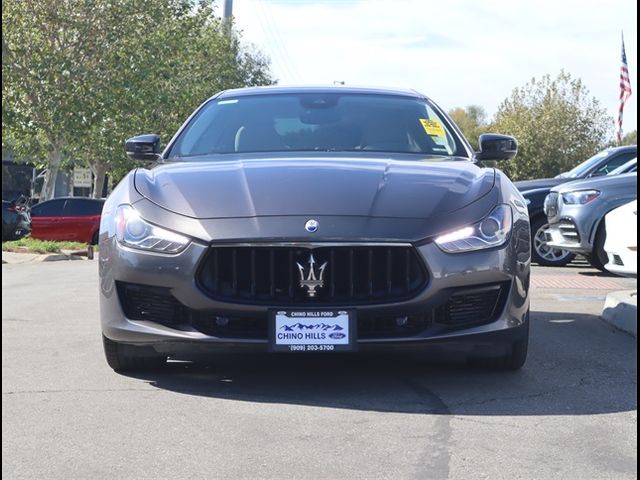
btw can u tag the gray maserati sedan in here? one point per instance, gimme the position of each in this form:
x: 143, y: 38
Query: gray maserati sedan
x: 326, y: 219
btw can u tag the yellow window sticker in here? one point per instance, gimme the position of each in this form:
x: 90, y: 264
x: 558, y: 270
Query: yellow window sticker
x: 433, y: 128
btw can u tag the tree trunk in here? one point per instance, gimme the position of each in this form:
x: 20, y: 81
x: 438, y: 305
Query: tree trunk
x: 49, y: 185
x: 99, y: 174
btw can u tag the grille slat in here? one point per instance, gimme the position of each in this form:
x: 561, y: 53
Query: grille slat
x: 253, y: 273
x: 569, y: 230
x: 407, y: 271
x: 291, y: 268
x: 332, y: 272
x: 234, y: 270
x: 352, y: 275
x: 352, y: 285
x: 389, y: 272
x: 272, y: 270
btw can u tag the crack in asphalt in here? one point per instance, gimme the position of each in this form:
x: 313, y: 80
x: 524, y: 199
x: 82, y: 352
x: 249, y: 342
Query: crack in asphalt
x: 482, y: 422
x: 436, y: 455
x: 581, y: 383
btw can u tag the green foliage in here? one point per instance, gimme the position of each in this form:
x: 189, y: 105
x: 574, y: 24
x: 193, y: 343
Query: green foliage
x: 32, y: 245
x: 472, y: 120
x: 630, y: 138
x: 81, y: 76
x: 557, y: 124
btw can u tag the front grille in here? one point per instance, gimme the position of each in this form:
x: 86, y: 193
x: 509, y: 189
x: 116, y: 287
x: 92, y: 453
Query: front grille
x: 569, y: 230
x: 474, y: 306
x: 155, y: 304
x: 352, y: 275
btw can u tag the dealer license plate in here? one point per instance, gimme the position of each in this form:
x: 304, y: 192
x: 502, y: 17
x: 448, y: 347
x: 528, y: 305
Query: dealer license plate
x: 312, y: 331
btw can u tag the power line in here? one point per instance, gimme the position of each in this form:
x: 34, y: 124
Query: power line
x: 271, y: 31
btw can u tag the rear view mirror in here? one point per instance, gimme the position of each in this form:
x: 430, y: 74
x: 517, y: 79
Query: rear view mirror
x: 497, y: 147
x: 145, y: 148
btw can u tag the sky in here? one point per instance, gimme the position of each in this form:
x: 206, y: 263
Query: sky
x: 457, y: 52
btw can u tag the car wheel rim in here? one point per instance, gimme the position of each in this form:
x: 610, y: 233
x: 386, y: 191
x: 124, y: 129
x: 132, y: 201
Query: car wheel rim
x: 543, y: 250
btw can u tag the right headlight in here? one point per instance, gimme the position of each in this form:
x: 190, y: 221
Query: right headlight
x: 492, y: 231
x: 133, y: 231
x: 580, y: 197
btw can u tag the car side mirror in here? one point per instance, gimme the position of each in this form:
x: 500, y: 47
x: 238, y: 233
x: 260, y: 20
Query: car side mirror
x: 496, y: 147
x: 145, y: 148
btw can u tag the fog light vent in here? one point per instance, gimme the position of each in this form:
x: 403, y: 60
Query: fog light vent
x: 474, y: 306
x: 155, y: 304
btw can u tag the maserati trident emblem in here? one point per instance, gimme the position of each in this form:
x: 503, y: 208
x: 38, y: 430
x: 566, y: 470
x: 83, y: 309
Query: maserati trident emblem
x: 311, y: 225
x: 313, y: 279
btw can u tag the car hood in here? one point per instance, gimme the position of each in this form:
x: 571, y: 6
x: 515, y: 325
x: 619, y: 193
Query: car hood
x: 600, y: 183
x: 257, y: 187
x: 539, y: 184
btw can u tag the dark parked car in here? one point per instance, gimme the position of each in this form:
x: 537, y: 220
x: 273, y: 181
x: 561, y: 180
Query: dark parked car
x: 15, y: 220
x: 74, y: 219
x: 535, y: 191
x: 315, y: 220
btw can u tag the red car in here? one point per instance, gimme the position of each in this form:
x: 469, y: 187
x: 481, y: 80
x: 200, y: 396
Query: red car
x: 72, y: 219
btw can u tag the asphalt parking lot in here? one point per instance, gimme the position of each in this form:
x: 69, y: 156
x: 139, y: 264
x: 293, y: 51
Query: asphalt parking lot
x: 571, y: 412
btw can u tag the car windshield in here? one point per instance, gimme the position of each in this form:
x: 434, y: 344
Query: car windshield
x: 630, y: 166
x: 324, y: 122
x: 582, y: 169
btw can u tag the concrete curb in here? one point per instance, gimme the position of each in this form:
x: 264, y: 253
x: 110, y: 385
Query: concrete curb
x: 16, y: 258
x: 621, y: 311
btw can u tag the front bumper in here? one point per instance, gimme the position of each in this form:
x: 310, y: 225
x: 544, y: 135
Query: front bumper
x: 509, y: 266
x: 567, y: 234
x: 623, y: 262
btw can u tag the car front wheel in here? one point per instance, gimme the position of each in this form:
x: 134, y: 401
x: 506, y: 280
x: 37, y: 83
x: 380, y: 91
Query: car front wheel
x: 514, y: 358
x: 541, y: 253
x: 598, y: 258
x: 129, y: 358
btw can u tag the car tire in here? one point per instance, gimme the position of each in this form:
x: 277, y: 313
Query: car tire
x: 598, y: 257
x: 514, y: 359
x: 546, y: 256
x: 129, y: 358
x: 95, y: 238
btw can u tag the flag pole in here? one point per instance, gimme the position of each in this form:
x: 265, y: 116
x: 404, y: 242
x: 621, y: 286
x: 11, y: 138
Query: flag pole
x: 625, y: 91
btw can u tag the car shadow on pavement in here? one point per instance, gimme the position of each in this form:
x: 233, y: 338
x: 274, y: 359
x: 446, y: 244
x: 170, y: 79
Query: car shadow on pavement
x: 599, y: 274
x: 577, y: 366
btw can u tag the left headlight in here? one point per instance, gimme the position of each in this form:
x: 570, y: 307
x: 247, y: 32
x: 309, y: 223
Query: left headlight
x: 492, y: 231
x: 580, y: 197
x: 134, y: 232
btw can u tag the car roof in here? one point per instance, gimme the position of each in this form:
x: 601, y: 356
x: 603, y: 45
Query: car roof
x: 597, y: 182
x: 622, y: 149
x: 101, y: 200
x: 354, y: 89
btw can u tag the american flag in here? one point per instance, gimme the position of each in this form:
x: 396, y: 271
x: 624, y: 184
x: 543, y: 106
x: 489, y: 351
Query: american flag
x: 625, y: 90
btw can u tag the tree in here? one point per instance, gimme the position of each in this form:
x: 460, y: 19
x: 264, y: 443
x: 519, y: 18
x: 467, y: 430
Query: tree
x: 170, y: 71
x: 630, y: 138
x: 472, y: 120
x: 80, y: 76
x: 557, y: 124
x: 49, y: 52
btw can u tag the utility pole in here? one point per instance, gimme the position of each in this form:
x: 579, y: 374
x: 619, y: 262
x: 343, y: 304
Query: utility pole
x: 227, y: 11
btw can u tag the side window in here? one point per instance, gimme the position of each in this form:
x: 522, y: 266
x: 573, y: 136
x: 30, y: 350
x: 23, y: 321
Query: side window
x: 82, y: 208
x: 52, y: 208
x: 614, y: 162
